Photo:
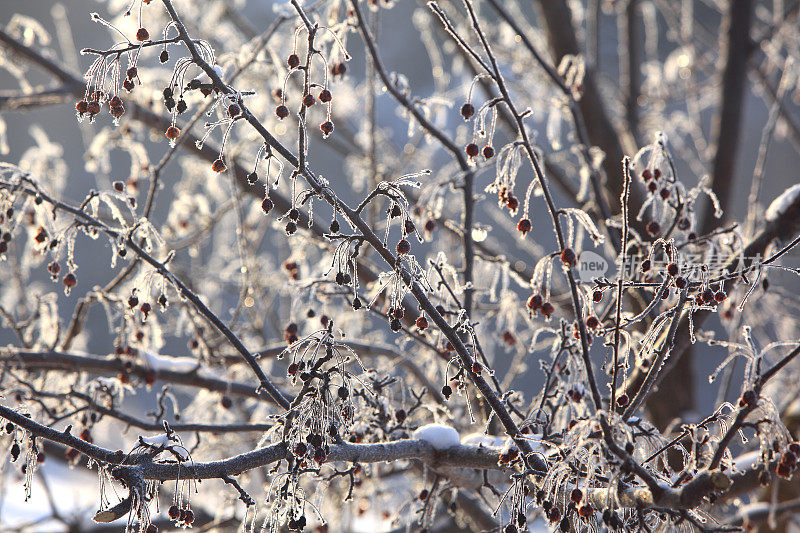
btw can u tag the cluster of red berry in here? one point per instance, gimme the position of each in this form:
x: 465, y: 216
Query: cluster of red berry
x: 324, y: 95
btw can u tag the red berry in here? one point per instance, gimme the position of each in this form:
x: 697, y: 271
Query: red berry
x: 488, y: 152
x: 325, y: 96
x: 748, y: 398
x: 720, y: 296
x: 234, y: 110
x: 422, y: 323
x: 576, y: 495
x: 547, y: 309
x: 326, y: 127
x: 267, y: 205
x: 592, y: 322
x: 524, y: 226
x: 568, y: 257
x: 664, y: 193
x: 172, y: 133
x: 403, y: 247
x: 477, y: 368
x: 116, y: 111
x: 309, y: 100
x: 472, y: 149
x: 597, y: 296
x: 535, y: 302
x: 128, y: 85
x: 218, y: 165
x: 188, y: 518
x: 282, y: 111
x: 93, y: 107
x: 672, y: 269
x: 70, y: 280
x: 467, y: 110
x: 174, y: 512
x: 82, y: 107
x: 512, y: 203
x: 293, y: 61
x: 622, y: 400
x: 646, y: 175
x: 131, y: 72
x: 142, y: 34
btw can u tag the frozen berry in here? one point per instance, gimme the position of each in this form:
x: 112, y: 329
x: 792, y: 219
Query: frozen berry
x: 325, y: 96
x: 467, y: 110
x: 568, y: 257
x: 403, y: 247
x: 293, y: 61
x: 142, y: 34
x: 218, y: 165
x: 488, y: 152
x: 472, y: 149
x: 282, y: 111
x: 535, y: 302
x: 172, y: 133
x: 672, y: 269
x: 524, y: 226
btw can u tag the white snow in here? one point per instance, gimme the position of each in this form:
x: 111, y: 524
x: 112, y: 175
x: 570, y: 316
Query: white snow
x: 783, y: 202
x: 439, y: 436
x: 163, y: 441
x: 481, y: 439
x: 171, y: 364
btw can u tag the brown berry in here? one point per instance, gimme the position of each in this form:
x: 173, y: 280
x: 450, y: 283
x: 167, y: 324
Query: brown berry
x: 142, y: 34
x: 472, y: 149
x: 172, y: 133
x: 467, y: 110
x: 524, y: 226
x: 282, y: 111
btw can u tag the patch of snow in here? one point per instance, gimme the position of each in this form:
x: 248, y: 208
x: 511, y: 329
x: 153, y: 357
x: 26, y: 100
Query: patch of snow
x: 439, y: 436
x: 171, y: 364
x: 163, y: 441
x: 782, y: 203
x: 481, y: 439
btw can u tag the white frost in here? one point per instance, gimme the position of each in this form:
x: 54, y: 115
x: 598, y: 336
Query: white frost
x: 782, y: 203
x: 437, y: 435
